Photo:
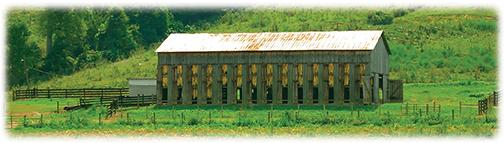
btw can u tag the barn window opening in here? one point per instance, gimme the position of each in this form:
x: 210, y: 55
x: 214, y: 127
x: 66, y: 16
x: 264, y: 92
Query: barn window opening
x: 254, y: 95
x: 300, y: 95
x: 331, y: 95
x: 224, y: 96
x: 285, y: 93
x: 164, y: 83
x: 269, y: 96
x: 315, y: 95
x: 238, y: 95
x: 346, y: 81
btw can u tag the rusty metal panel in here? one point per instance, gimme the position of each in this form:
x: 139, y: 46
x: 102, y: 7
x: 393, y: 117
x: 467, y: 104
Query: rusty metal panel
x: 278, y: 41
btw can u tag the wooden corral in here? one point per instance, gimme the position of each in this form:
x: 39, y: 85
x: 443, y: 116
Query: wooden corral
x: 339, y: 67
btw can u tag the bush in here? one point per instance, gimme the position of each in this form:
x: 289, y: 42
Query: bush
x: 400, y: 12
x: 379, y: 18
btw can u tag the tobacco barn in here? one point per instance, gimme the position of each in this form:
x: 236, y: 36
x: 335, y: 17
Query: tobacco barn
x: 334, y: 67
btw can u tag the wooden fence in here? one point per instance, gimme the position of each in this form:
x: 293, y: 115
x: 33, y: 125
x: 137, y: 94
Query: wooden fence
x: 490, y: 100
x: 68, y: 93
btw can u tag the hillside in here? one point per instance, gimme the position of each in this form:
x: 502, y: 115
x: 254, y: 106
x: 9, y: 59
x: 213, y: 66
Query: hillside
x: 427, y: 44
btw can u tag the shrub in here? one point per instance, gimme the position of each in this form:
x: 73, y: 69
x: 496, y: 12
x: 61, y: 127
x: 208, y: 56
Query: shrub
x: 400, y: 12
x: 379, y: 18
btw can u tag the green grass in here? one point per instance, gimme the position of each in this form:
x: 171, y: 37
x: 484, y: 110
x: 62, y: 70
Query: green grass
x: 38, y: 105
x: 313, y: 120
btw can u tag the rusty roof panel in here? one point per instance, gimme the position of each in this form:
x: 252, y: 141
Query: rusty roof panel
x: 280, y: 41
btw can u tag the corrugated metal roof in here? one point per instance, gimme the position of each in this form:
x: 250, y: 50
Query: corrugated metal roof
x: 280, y: 41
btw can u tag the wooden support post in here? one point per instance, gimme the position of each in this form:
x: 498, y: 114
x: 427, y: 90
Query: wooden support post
x: 307, y: 84
x: 231, y: 84
x: 261, y: 84
x: 323, y: 84
x: 202, y: 73
x: 338, y: 86
x: 246, y: 86
x: 292, y: 85
x: 99, y: 118
x: 186, y: 85
x: 376, y: 87
x: 353, y: 85
x: 172, y: 90
x: 385, y: 88
x: 277, y: 96
x: 216, y: 84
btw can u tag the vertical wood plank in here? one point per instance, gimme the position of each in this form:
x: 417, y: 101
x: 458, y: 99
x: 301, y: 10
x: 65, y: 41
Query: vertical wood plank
x: 323, y: 84
x: 385, y: 88
x: 202, y: 100
x: 186, y: 85
x: 261, y: 94
x: 338, y: 86
x: 231, y: 84
x: 375, y: 88
x: 171, y: 87
x: 352, y: 84
x: 292, y: 88
x: 277, y: 97
x: 246, y: 84
x: 216, y: 84
x: 307, y: 84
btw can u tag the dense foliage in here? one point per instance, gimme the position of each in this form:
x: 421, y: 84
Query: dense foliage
x: 56, y: 42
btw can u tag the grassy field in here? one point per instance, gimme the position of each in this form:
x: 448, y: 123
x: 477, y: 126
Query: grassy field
x: 232, y: 120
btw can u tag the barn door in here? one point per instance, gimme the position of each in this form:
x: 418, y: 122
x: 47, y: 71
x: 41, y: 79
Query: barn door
x: 395, y: 91
x: 367, y: 89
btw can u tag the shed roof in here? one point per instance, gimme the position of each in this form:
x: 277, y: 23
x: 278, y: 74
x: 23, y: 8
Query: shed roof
x: 269, y: 41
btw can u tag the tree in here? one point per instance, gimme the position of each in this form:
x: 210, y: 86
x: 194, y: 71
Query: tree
x: 19, y: 50
x: 152, y: 23
x: 117, y: 40
x: 68, y: 36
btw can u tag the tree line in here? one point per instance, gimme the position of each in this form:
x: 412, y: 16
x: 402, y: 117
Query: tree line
x: 47, y: 42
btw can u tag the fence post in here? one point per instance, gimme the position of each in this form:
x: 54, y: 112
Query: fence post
x: 209, y: 116
x: 14, y: 95
x: 11, y: 121
x: 154, y: 117
x: 143, y: 101
x: 127, y: 117
x: 99, y: 118
x: 406, y: 108
x: 460, y: 107
x: 48, y: 93
x: 420, y: 112
x: 41, y: 119
x: 426, y: 109
x: 57, y: 106
x: 84, y: 90
x: 439, y: 108
x: 269, y: 116
x: 453, y: 114
x: 66, y: 93
x: 24, y: 121
x: 138, y: 100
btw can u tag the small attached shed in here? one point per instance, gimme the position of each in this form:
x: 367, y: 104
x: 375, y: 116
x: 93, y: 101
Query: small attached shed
x: 142, y: 86
x: 335, y: 67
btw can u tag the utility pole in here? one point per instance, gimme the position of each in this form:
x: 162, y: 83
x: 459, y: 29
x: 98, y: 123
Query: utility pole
x: 26, y: 73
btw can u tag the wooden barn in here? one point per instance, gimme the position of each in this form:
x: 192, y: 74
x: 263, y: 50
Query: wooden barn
x: 335, y: 67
